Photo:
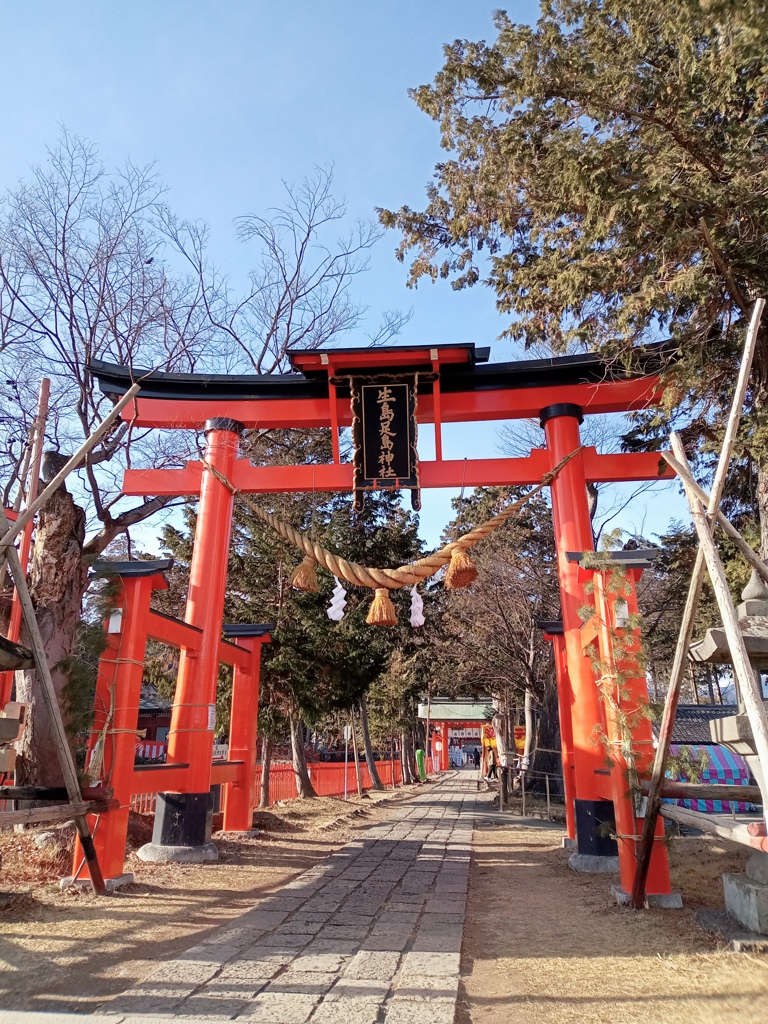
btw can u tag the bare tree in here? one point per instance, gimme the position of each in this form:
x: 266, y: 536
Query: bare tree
x: 299, y: 295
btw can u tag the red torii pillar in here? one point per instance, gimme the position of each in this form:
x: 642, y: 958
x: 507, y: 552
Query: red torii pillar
x: 630, y: 698
x: 573, y: 532
x: 183, y: 820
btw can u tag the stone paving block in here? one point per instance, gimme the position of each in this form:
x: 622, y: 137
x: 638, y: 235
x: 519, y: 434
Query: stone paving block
x: 286, y: 940
x: 205, y: 1007
x: 373, y: 965
x: 279, y: 904
x: 435, y: 942
x: 394, y: 942
x: 180, y: 973
x: 280, y: 1008
x: 440, y: 988
x: 430, y: 964
x: 259, y: 962
x: 163, y: 999
x: 409, y: 1011
x: 359, y: 990
x: 321, y: 963
x: 300, y: 926
x: 400, y: 918
x: 346, y: 1013
x: 312, y: 916
x: 314, y: 983
x: 442, y: 905
x: 444, y: 919
x: 213, y: 954
x: 345, y: 931
x: 341, y: 947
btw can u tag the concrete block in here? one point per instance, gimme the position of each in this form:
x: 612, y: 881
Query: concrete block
x: 717, y: 922
x: 302, y: 983
x: 664, y: 900
x: 757, y: 867
x: 346, y: 1013
x: 155, y: 853
x: 747, y: 902
x: 591, y: 864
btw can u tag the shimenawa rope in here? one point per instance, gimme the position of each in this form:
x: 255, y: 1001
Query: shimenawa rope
x: 404, y: 575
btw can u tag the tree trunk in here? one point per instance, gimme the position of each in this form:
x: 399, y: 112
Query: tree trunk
x: 411, y: 756
x: 548, y: 759
x: 304, y: 788
x: 57, y: 582
x: 266, y: 761
x: 405, y: 764
x: 530, y: 730
x: 376, y: 782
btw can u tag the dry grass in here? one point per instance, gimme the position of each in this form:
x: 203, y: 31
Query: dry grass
x: 549, y: 946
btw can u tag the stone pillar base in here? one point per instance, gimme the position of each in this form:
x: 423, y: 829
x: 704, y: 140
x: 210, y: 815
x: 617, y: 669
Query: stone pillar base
x: 85, y: 883
x: 665, y: 900
x: 591, y: 864
x: 156, y: 853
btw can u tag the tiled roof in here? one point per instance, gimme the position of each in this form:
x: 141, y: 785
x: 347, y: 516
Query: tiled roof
x: 692, y: 721
x: 151, y: 703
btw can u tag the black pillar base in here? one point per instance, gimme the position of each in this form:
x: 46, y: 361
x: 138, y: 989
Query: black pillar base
x: 183, y: 819
x: 590, y: 836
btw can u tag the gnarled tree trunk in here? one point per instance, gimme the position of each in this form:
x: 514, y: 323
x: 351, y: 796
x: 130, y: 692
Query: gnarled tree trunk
x: 57, y: 582
x: 304, y: 788
x: 376, y: 782
x: 405, y: 762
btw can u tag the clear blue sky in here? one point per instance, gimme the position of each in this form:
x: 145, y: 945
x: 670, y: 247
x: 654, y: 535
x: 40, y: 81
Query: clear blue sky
x: 230, y: 97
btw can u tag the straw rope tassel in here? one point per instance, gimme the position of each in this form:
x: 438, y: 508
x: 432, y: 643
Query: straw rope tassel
x: 305, y: 576
x: 404, y: 575
x: 382, y: 611
x: 462, y: 571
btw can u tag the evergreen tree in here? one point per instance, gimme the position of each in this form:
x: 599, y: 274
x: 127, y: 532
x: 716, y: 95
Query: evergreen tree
x: 607, y: 177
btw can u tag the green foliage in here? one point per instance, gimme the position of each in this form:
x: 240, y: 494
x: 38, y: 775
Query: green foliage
x: 313, y: 667
x: 607, y: 176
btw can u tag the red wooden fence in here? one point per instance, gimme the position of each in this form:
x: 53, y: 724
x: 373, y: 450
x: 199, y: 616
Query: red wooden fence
x: 327, y: 778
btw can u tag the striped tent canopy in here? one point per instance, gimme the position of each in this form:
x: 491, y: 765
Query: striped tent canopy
x: 723, y: 767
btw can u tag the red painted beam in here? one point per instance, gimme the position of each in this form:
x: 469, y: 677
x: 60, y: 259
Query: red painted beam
x: 451, y: 473
x: 460, y: 407
x: 173, y: 631
x: 233, y: 654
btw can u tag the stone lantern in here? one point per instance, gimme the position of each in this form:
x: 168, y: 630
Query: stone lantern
x: 746, y: 895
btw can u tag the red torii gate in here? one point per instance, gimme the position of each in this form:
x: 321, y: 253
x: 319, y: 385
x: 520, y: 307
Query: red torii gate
x: 452, y: 387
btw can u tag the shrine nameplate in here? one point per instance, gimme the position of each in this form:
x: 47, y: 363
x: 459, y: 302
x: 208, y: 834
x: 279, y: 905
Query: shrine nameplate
x: 384, y: 434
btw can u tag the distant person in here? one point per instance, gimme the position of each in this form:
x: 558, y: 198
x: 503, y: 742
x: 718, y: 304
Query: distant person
x: 492, y: 774
x: 476, y: 757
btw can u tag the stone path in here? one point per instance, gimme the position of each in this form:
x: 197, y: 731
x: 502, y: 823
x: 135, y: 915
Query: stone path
x: 370, y: 936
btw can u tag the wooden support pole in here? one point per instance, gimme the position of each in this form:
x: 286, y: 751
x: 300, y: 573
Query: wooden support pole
x: 679, y: 665
x: 706, y: 791
x: 742, y: 669
x: 719, y: 825
x: 49, y: 696
x: 10, y: 532
x: 55, y: 812
x: 728, y: 528
x: 356, y: 753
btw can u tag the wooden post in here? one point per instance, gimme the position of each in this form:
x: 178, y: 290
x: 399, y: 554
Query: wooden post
x: 653, y: 804
x: 11, y: 531
x: 356, y: 753
x: 549, y: 806
x: 49, y: 696
x: 728, y: 528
